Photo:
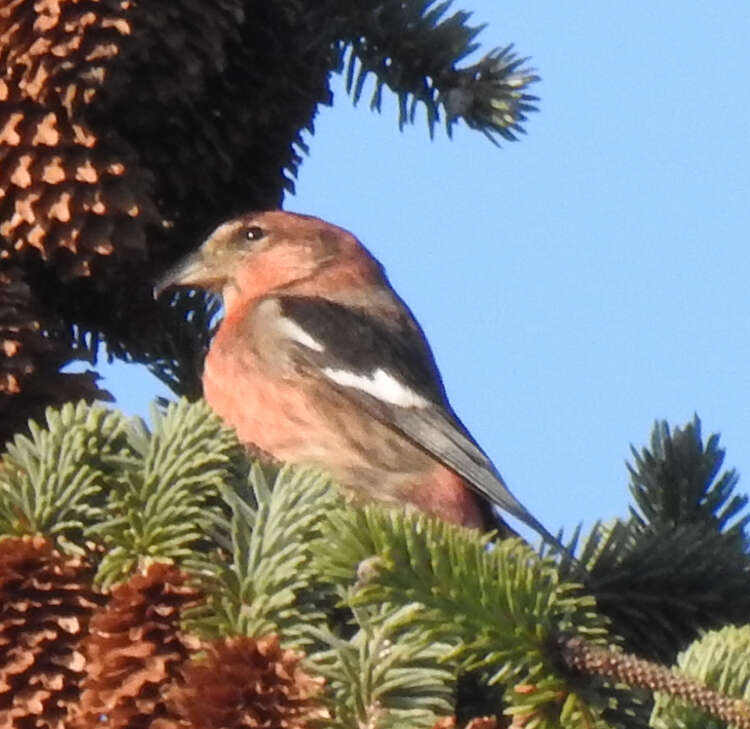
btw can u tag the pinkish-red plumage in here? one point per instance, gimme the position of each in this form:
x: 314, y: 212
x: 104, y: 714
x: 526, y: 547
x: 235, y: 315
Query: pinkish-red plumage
x: 295, y: 422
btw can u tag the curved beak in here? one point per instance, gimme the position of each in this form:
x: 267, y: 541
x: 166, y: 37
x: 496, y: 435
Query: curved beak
x: 192, y: 270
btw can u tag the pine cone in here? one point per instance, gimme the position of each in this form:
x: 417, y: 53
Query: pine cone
x: 244, y: 682
x: 134, y: 650
x: 67, y: 191
x: 46, y: 600
x: 108, y: 109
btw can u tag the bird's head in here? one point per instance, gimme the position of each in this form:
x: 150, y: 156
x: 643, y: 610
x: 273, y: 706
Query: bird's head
x: 260, y: 253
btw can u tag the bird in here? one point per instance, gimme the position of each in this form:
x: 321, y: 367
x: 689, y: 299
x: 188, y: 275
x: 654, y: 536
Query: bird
x: 319, y: 362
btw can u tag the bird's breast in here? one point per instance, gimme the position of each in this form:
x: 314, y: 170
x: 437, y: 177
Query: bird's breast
x: 302, y: 421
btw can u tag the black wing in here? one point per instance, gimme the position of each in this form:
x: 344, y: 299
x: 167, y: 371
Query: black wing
x: 356, y: 341
x: 353, y: 341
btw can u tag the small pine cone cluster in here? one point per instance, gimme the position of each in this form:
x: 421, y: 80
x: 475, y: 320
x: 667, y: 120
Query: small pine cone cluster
x: 245, y: 683
x: 135, y: 649
x: 46, y: 600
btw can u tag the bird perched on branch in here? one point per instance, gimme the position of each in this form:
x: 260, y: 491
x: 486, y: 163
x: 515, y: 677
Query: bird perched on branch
x: 319, y: 362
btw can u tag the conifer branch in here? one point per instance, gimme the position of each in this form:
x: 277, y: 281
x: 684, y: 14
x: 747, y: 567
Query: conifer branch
x: 268, y: 585
x: 413, y: 48
x: 55, y: 480
x: 637, y: 672
x: 164, y: 509
x: 394, y: 607
x: 498, y: 609
x: 677, y: 482
x: 680, y: 563
x: 385, y: 675
x: 721, y: 660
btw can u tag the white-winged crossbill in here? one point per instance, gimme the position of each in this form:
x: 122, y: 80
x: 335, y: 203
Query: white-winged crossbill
x: 319, y: 362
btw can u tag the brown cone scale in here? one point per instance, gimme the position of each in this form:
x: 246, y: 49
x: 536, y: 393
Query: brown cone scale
x: 246, y: 682
x: 46, y: 600
x: 135, y: 649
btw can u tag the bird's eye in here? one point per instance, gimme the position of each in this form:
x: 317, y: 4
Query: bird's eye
x: 255, y: 232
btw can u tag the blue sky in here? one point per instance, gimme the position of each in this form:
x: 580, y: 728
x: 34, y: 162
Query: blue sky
x: 581, y: 283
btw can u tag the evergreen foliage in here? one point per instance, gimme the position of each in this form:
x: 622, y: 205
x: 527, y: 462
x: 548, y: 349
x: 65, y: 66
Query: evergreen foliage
x: 425, y: 569
x: 163, y: 509
x: 676, y: 483
x: 720, y: 659
x: 267, y: 584
x: 386, y: 674
x: 680, y: 563
x: 393, y: 608
x: 518, y: 604
x: 55, y: 480
x: 412, y: 48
